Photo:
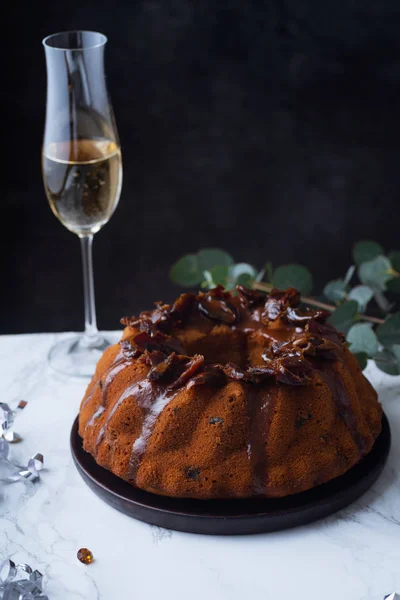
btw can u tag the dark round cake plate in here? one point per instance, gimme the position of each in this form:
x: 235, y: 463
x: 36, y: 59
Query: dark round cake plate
x: 232, y: 517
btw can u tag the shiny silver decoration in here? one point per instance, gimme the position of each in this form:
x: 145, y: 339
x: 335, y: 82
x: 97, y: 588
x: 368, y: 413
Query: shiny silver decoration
x: 392, y: 596
x: 7, y: 426
x: 20, y: 582
x: 18, y: 472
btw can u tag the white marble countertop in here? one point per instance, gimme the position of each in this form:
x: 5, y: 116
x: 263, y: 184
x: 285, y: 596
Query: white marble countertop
x: 353, y: 555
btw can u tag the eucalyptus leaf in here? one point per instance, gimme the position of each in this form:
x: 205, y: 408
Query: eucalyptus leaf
x: 209, y: 258
x: 245, y: 279
x: 186, y: 272
x: 362, y: 338
x: 268, y: 270
x: 375, y: 272
x: 389, y: 332
x: 342, y: 318
x: 366, y: 250
x: 394, y: 258
x: 240, y: 269
x: 218, y: 275
x: 295, y: 276
x: 361, y: 294
x: 349, y: 274
x: 387, y: 362
x: 362, y: 359
x: 335, y: 290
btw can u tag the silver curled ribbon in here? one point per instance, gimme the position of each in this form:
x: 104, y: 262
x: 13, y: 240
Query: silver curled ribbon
x: 7, y: 425
x: 29, y: 472
x: 20, y: 582
x: 392, y: 596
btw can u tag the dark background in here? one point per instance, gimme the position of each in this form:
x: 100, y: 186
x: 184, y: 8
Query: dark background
x: 270, y: 129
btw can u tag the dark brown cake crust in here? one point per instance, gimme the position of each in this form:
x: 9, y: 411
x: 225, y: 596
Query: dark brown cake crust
x: 223, y: 395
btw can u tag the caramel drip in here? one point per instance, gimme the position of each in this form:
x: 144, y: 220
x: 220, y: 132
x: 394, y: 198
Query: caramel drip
x: 119, y: 362
x: 259, y: 407
x: 340, y: 396
x: 152, y: 402
x: 112, y: 372
x: 95, y: 416
x: 251, y: 322
x: 133, y: 390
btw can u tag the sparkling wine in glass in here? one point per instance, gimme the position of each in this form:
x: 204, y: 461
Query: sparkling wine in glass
x: 82, y: 169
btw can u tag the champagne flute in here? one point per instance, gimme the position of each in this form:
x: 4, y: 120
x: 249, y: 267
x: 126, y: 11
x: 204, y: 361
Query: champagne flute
x: 82, y: 169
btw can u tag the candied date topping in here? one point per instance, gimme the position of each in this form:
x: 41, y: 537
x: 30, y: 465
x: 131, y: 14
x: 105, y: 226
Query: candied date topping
x: 252, y: 297
x: 209, y: 376
x: 279, y: 301
x: 191, y: 368
x: 161, y: 370
x: 294, y: 371
x: 286, y: 362
x: 295, y: 316
x: 181, y: 306
x: 128, y: 350
x: 158, y: 341
x: 260, y: 374
x: 218, y: 309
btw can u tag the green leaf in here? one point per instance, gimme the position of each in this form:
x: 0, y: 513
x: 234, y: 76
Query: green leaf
x: 268, y: 270
x: 393, y: 285
x: 245, y: 279
x: 217, y: 276
x: 394, y: 258
x: 186, y: 272
x: 342, y: 318
x: 335, y: 290
x: 362, y: 338
x: 387, y: 362
x: 213, y: 257
x: 189, y: 270
x: 242, y: 272
x: 365, y: 251
x: 389, y: 332
x: 361, y: 294
x: 362, y: 359
x: 376, y: 272
x: 349, y: 274
x: 295, y: 276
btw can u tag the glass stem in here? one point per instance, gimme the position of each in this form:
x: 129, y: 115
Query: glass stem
x: 91, y: 336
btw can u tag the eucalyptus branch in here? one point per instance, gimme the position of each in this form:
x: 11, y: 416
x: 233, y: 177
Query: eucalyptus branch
x: 267, y: 287
x: 378, y: 281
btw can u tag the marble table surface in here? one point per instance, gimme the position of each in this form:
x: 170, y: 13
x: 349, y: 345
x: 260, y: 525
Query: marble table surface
x: 352, y: 555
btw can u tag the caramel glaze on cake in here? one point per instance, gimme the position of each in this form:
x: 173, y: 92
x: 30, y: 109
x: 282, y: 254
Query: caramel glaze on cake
x: 229, y: 396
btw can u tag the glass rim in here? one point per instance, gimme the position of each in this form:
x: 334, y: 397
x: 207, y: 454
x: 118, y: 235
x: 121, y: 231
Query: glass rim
x: 102, y: 40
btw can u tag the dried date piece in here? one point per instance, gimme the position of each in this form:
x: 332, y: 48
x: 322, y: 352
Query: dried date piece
x: 128, y: 350
x: 260, y: 374
x: 218, y: 309
x: 278, y: 301
x: 158, y: 341
x: 210, y: 376
x: 163, y: 369
x: 191, y: 368
x: 253, y: 297
x: 182, y: 306
x: 294, y: 371
x: 296, y: 317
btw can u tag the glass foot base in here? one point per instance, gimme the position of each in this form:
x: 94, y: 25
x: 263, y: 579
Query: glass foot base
x: 74, y: 357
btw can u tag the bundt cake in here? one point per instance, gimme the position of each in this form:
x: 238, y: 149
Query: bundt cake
x: 229, y: 395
